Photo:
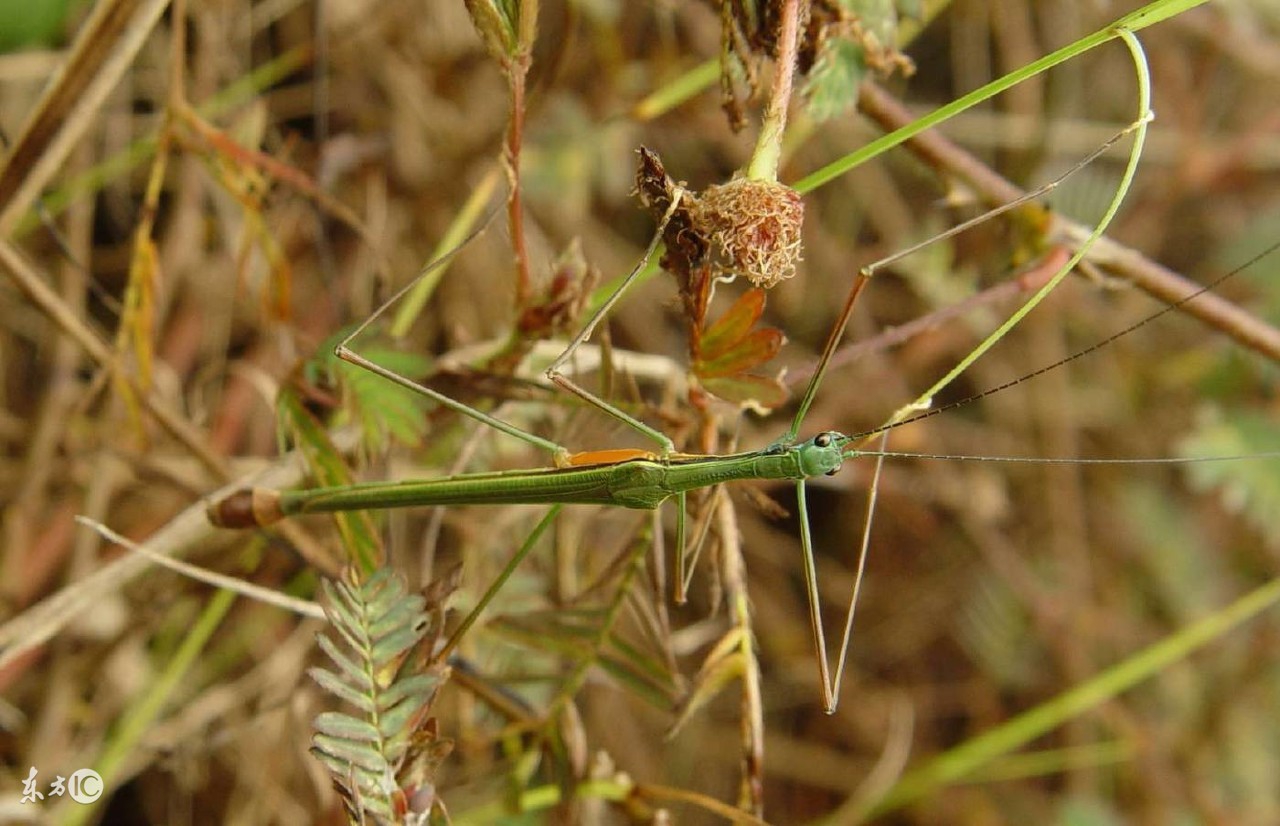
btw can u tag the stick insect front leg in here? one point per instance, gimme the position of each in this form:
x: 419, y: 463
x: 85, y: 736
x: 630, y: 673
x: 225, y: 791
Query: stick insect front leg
x: 914, y: 410
x: 559, y: 454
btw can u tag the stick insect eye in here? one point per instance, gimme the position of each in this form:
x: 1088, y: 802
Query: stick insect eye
x: 822, y: 440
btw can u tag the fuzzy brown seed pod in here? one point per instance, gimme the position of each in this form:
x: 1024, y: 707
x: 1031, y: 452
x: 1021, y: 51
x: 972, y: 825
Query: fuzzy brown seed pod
x: 754, y: 228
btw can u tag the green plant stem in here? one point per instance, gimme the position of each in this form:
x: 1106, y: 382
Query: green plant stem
x: 764, y: 161
x: 1131, y: 168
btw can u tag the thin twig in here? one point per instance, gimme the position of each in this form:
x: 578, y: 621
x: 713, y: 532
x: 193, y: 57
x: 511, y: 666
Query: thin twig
x: 303, y: 607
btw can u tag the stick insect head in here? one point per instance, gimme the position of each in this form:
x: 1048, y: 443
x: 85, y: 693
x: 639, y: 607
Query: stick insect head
x: 823, y: 454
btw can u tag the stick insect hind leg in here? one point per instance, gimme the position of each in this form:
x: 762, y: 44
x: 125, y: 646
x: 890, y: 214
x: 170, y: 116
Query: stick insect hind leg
x: 560, y: 456
x: 830, y: 682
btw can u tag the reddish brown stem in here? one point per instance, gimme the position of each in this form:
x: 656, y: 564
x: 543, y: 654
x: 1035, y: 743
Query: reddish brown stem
x: 517, y: 71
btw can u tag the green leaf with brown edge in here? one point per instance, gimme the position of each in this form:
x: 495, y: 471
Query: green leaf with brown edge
x: 729, y: 348
x: 730, y: 328
x: 832, y: 87
x: 753, y: 350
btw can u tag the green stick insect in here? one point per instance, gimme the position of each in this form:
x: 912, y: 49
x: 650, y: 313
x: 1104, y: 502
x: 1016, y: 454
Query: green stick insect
x: 645, y: 480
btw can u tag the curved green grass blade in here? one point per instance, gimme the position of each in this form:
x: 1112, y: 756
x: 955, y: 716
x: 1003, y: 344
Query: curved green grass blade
x: 1152, y: 13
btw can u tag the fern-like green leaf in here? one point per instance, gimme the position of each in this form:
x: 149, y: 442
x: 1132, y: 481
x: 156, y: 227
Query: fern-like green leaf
x: 346, y: 727
x: 351, y: 754
x: 397, y: 717
x: 863, y: 37
x: 410, y: 687
x: 405, y: 613
x: 346, y: 665
x: 384, y: 411
x: 832, y: 85
x: 386, y: 649
x: 381, y: 754
x: 335, y: 685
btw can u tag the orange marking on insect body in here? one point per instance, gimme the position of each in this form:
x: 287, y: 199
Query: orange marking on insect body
x: 609, y: 457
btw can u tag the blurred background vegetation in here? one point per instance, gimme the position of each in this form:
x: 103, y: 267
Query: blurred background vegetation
x: 264, y: 173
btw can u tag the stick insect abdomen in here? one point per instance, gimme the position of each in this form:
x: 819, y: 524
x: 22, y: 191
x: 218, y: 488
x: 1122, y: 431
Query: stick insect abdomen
x: 621, y: 484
